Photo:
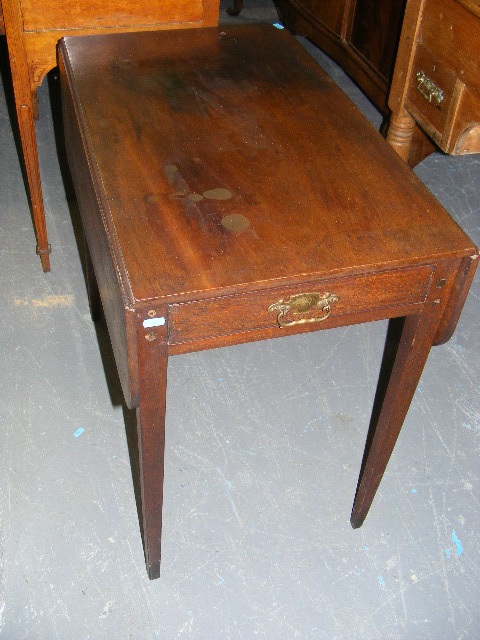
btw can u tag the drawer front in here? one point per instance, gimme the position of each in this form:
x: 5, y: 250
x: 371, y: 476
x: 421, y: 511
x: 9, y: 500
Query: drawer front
x: 312, y: 303
x: 431, y: 91
x: 97, y: 14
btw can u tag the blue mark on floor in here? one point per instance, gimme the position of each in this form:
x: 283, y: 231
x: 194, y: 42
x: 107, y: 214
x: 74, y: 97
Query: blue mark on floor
x: 457, y: 543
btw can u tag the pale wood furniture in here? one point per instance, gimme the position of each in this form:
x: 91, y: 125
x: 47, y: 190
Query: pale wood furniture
x: 213, y: 216
x: 436, y: 83
x: 33, y: 28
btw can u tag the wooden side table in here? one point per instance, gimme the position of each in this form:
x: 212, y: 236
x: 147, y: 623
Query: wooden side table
x: 436, y: 82
x: 34, y: 27
x: 213, y: 217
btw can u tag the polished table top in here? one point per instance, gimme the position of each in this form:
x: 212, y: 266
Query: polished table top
x: 236, y: 171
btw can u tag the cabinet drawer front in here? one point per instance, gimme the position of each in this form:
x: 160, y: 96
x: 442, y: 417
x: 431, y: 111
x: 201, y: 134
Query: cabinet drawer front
x: 431, y: 91
x: 227, y: 315
x: 97, y: 14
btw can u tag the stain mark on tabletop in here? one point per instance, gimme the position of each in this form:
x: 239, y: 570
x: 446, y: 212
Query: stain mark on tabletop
x: 235, y: 222
x: 218, y: 194
x: 195, y: 197
x: 174, y: 178
x: 171, y: 172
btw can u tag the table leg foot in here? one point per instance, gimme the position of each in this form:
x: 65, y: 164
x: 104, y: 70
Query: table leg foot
x: 153, y: 570
x: 44, y: 254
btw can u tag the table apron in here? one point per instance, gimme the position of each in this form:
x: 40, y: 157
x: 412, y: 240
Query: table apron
x: 341, y: 301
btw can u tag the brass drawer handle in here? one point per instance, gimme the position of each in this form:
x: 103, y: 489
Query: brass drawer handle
x: 302, y: 303
x: 429, y: 90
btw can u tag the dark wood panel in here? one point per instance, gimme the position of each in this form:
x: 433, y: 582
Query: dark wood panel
x: 375, y: 33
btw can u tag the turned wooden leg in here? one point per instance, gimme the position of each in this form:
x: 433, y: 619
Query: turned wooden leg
x: 403, y: 371
x: 152, y: 359
x: 94, y: 300
x: 237, y: 7
x: 400, y: 133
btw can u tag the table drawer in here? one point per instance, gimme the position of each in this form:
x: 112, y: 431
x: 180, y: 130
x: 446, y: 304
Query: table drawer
x: 294, y: 305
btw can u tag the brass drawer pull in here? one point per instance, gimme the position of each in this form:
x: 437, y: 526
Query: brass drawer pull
x: 302, y: 303
x: 429, y: 90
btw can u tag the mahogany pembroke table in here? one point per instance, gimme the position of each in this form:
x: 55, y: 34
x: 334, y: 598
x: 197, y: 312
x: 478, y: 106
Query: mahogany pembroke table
x: 230, y: 192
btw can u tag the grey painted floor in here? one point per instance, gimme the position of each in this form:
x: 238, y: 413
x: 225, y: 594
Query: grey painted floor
x: 263, y: 451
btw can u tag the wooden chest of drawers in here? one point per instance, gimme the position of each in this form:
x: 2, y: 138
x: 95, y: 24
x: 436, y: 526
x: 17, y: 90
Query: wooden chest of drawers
x: 436, y: 81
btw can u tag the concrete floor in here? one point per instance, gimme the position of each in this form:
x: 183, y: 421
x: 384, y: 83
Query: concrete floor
x: 263, y: 451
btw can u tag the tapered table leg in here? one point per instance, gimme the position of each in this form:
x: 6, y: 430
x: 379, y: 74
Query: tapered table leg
x: 25, y: 115
x: 152, y: 359
x: 392, y: 402
x: 26, y: 107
